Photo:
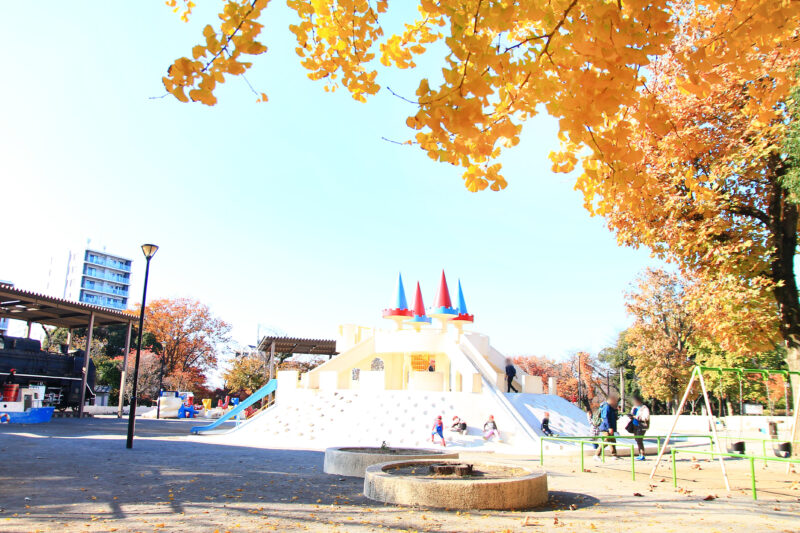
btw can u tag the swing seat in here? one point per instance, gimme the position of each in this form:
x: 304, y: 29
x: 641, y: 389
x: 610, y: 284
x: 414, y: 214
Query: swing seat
x: 782, y: 450
x: 736, y: 447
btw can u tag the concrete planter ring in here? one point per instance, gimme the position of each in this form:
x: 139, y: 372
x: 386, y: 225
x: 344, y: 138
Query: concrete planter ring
x: 484, y: 486
x: 353, y: 461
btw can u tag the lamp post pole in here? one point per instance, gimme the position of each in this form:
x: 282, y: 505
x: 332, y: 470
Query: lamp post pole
x: 149, y: 250
x: 160, y: 388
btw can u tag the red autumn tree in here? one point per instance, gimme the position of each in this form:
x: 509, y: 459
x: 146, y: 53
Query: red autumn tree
x: 537, y: 366
x: 565, y: 372
x: 188, y: 338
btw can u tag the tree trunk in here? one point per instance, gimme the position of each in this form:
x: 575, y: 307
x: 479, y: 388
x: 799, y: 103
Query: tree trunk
x: 783, y: 216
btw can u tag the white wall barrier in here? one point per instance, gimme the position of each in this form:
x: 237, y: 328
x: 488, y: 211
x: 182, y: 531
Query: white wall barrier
x: 372, y: 380
x: 532, y: 384
x: 426, y: 381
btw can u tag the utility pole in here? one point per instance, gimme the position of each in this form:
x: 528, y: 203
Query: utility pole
x: 622, y: 389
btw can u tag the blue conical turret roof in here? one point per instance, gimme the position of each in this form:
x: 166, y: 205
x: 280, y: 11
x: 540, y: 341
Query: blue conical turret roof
x: 462, y: 303
x: 400, y: 311
x: 401, y: 302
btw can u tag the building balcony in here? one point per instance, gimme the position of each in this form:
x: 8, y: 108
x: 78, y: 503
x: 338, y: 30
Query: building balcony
x: 103, y: 288
x: 108, y: 276
x: 102, y: 301
x: 107, y: 262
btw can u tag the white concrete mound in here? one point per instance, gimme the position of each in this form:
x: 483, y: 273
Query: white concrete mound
x: 389, y: 386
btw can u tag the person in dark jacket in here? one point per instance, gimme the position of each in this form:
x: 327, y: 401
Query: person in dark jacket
x: 608, y: 426
x: 511, y: 372
x: 546, y: 425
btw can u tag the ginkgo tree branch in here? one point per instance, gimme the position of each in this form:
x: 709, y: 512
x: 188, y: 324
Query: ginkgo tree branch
x: 547, y: 36
x: 230, y: 38
x: 751, y: 212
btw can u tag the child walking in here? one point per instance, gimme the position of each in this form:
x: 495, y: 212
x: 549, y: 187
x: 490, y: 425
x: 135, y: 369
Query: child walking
x: 438, y: 429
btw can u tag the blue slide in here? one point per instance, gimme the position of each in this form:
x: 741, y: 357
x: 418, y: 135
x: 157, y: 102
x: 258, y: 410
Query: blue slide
x: 253, y: 398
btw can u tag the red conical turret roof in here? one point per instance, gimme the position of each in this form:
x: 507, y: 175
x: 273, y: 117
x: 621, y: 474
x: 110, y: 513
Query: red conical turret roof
x: 443, y: 298
x: 419, y: 307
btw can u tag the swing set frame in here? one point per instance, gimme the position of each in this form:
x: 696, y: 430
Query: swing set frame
x: 697, y: 374
x: 765, y: 374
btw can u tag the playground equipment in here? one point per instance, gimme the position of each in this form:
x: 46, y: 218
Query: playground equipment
x: 751, y: 458
x: 739, y: 446
x: 400, y: 378
x: 188, y: 410
x: 269, y: 388
x: 170, y: 404
x: 24, y: 405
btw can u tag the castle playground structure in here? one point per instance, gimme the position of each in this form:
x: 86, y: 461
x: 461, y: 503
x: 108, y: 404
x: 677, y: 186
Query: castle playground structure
x: 387, y: 386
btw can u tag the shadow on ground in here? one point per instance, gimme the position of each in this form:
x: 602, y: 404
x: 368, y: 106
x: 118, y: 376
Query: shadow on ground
x: 73, y: 474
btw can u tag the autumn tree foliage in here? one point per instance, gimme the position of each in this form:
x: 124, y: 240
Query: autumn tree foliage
x: 246, y: 374
x: 566, y: 373
x: 249, y: 373
x: 727, y: 386
x: 537, y: 366
x: 187, y: 340
x: 676, y: 110
x: 661, y: 335
x: 711, y: 194
x: 148, y: 376
x: 583, y: 61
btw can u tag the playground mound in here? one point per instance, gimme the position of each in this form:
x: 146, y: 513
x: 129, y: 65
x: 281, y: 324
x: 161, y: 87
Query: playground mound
x: 316, y: 420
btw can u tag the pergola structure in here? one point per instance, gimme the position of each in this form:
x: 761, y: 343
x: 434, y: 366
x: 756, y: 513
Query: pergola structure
x: 34, y: 308
x: 294, y: 345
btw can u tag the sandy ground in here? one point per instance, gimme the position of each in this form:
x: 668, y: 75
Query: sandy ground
x: 72, y: 475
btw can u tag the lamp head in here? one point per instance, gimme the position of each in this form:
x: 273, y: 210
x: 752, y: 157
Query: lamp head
x: 149, y: 250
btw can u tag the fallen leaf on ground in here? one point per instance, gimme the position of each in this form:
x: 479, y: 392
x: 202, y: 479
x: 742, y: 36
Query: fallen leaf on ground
x: 710, y: 497
x: 639, y: 494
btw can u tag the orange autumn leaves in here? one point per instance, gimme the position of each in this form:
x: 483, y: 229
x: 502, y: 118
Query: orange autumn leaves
x: 220, y: 54
x: 583, y: 61
x: 705, y: 189
x: 187, y: 339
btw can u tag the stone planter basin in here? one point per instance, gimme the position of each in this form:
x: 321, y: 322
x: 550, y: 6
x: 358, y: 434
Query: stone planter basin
x: 493, y: 485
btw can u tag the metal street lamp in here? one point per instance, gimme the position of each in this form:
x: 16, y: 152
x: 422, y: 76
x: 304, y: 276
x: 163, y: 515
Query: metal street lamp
x: 149, y: 251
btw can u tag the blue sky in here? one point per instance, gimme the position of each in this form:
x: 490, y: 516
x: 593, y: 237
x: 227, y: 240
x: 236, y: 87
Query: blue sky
x: 293, y: 214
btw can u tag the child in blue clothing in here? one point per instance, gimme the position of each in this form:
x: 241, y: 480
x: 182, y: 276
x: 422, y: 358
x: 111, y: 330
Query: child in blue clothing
x: 640, y: 420
x: 438, y: 429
